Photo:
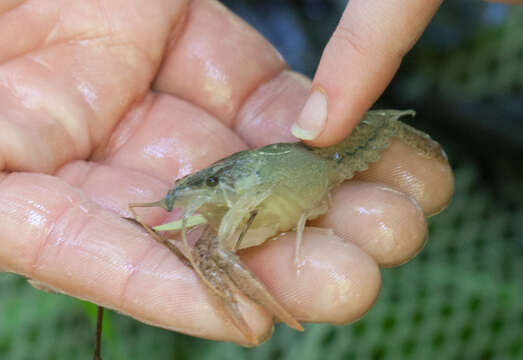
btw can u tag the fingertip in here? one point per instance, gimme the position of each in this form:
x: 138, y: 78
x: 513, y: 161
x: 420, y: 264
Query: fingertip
x: 385, y: 223
x: 313, y: 117
x: 337, y: 283
x: 327, y: 118
x: 267, y: 115
x: 359, y: 291
x: 429, y: 181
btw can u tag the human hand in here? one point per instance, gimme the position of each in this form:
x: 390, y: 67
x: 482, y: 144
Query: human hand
x: 358, y: 63
x: 102, y: 106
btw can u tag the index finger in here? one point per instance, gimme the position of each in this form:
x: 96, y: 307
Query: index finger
x: 357, y: 64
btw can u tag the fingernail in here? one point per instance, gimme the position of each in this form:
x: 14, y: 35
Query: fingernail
x: 313, y: 117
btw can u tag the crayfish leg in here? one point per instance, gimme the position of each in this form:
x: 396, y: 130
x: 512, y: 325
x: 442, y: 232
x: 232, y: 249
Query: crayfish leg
x: 300, y: 227
x: 157, y: 236
x: 247, y: 283
x: 220, y: 284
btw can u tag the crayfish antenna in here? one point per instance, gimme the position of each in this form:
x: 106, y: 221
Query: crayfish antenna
x: 154, y: 234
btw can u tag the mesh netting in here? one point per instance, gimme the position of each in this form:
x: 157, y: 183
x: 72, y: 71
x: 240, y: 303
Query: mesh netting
x: 489, y: 64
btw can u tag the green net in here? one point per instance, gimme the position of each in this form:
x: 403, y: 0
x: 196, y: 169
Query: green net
x: 488, y: 64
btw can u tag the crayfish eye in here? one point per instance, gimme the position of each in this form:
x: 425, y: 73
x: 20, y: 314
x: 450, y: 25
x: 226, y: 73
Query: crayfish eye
x: 212, y: 181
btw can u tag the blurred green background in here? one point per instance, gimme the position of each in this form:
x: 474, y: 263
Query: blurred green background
x: 461, y: 298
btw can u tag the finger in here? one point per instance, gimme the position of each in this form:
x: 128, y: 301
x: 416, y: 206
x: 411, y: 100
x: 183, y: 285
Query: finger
x: 202, y: 65
x: 358, y: 63
x: 73, y: 71
x: 336, y: 283
x: 267, y: 114
x: 429, y: 181
x: 168, y: 138
x: 386, y: 223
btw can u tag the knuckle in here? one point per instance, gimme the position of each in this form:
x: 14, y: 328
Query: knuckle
x: 365, y: 46
x: 350, y: 38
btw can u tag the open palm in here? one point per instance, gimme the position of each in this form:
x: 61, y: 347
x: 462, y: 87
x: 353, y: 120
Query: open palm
x: 106, y: 103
